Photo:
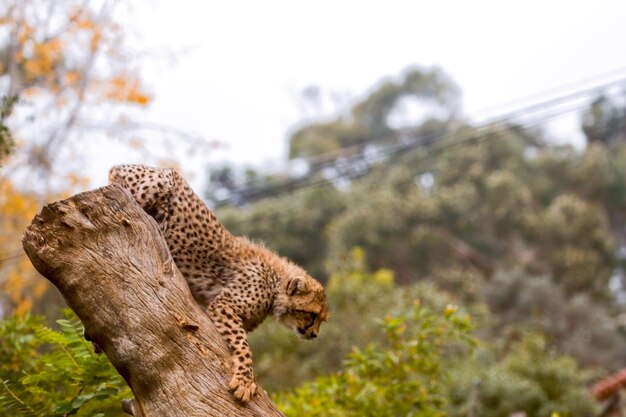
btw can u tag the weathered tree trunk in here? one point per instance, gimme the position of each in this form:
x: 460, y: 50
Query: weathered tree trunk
x: 112, y: 265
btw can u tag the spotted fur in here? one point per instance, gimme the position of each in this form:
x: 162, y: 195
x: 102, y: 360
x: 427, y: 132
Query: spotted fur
x: 239, y: 282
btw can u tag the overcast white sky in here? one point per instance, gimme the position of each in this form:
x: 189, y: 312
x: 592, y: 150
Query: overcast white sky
x: 246, y: 61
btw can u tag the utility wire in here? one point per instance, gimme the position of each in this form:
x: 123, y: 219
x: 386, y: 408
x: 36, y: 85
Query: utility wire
x: 560, y: 90
x: 508, y: 116
x: 447, y: 141
x: 469, y: 138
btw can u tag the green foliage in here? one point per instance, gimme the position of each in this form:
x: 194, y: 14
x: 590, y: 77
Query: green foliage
x: 525, y: 376
x: 523, y: 235
x: 575, y: 325
x: 46, y: 372
x: 6, y: 138
x: 358, y: 299
x: 423, y: 363
x: 293, y: 225
x: 603, y: 122
x: 482, y: 212
x: 380, y: 328
x: 403, y: 376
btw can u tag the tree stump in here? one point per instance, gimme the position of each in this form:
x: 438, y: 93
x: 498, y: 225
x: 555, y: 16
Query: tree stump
x: 110, y: 262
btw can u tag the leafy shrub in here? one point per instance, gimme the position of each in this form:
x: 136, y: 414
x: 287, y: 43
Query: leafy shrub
x: 358, y: 299
x: 525, y: 375
x: 403, y: 376
x: 45, y: 372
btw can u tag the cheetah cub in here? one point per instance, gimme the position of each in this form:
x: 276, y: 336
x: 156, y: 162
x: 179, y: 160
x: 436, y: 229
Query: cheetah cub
x: 239, y: 282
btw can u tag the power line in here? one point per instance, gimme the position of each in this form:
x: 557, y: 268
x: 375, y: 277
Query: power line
x: 619, y: 72
x: 468, y: 138
x: 355, y: 149
x: 425, y: 140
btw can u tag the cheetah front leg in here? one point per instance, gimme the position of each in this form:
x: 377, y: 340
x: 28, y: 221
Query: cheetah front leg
x: 230, y: 326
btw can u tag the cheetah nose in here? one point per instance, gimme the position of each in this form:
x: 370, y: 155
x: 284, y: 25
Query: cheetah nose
x: 301, y: 331
x: 313, y: 335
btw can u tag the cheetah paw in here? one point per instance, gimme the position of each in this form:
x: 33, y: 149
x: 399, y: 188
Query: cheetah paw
x: 243, y: 387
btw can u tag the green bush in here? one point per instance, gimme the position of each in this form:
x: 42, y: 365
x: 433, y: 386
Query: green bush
x: 403, y: 376
x: 45, y: 372
x: 358, y: 299
x: 524, y: 375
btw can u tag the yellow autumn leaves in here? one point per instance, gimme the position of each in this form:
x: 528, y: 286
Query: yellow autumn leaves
x: 47, y: 63
x: 126, y: 88
x: 63, y: 59
x: 19, y: 283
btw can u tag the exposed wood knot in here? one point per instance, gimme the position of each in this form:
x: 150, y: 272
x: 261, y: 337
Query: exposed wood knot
x: 129, y: 407
x: 122, y: 219
x: 191, y: 327
x: 185, y: 324
x: 72, y: 216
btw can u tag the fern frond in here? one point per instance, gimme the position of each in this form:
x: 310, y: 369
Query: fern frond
x: 13, y: 405
x: 55, y: 373
x: 52, y: 337
x: 104, y: 402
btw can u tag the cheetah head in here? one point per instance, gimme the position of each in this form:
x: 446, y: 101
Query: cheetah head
x: 301, y: 306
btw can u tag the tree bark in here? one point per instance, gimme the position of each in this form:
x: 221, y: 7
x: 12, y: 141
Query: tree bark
x: 110, y: 262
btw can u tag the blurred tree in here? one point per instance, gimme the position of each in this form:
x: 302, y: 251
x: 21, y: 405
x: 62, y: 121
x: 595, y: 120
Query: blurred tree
x: 482, y: 211
x: 472, y: 206
x: 369, y: 120
x: 576, y: 325
x: 67, y: 60
x: 295, y: 226
x: 603, y: 122
x: 501, y: 202
x: 6, y: 137
x: 75, y: 70
x: 523, y: 376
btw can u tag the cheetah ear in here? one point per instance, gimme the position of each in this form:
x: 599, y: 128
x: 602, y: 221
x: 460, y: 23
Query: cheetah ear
x: 296, y: 286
